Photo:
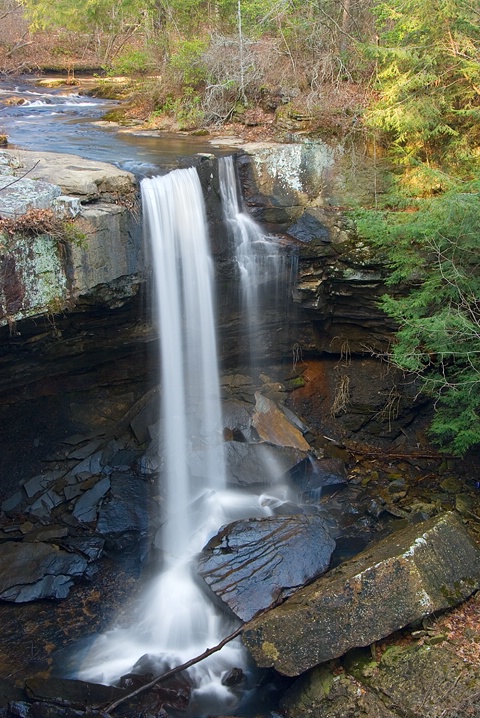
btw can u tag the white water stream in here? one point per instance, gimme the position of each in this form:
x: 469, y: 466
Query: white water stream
x: 175, y: 621
x: 260, y: 262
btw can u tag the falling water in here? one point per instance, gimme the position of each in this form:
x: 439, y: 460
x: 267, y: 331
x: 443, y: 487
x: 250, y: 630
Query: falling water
x: 260, y: 262
x: 176, y: 622
x: 176, y: 225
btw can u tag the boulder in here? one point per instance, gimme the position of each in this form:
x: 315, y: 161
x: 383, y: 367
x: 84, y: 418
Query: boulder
x: 30, y: 571
x: 418, y: 678
x: 252, y: 563
x: 274, y: 427
x: 249, y: 464
x: 421, y: 569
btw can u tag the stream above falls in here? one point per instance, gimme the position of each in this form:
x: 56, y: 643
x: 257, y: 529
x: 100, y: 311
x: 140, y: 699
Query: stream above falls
x: 64, y: 121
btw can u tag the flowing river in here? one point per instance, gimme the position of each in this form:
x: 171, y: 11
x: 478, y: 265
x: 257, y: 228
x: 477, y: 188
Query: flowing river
x: 62, y: 120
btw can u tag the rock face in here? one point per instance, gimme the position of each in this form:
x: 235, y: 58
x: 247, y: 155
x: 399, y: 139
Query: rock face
x: 252, y: 563
x: 45, y: 274
x: 424, y: 568
x: 29, y: 571
x: 301, y: 189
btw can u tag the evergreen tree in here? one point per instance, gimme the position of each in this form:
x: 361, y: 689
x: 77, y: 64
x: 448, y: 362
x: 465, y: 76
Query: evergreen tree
x: 433, y: 254
x: 428, y: 80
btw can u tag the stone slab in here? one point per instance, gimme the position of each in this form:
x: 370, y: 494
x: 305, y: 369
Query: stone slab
x: 87, y: 179
x: 422, y: 569
x: 251, y: 563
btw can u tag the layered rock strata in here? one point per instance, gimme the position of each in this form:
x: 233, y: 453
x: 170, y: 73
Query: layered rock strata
x: 414, y: 572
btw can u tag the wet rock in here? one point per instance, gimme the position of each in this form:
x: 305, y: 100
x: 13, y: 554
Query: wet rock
x: 29, y: 571
x: 124, y: 515
x: 87, y: 505
x: 173, y: 692
x: 19, y: 709
x: 406, y: 576
x: 237, y: 417
x: 249, y: 464
x: 89, y: 546
x: 313, y: 476
x: 252, y: 563
x: 274, y: 427
x: 41, y: 482
x: 42, y: 507
x: 91, y: 465
x: 46, y: 533
x: 88, y: 449
x: 233, y: 677
x: 73, y: 693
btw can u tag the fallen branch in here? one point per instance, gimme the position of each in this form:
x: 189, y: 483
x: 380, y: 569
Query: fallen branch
x: 174, y: 671
x: 377, y: 454
x: 20, y: 178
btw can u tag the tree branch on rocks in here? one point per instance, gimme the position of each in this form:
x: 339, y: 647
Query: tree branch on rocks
x: 173, y: 672
x: 17, y: 179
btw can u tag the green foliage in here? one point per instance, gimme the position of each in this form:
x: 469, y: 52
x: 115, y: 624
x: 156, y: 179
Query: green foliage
x: 433, y: 256
x: 187, y: 62
x: 108, y: 15
x: 428, y: 78
x: 187, y: 109
x: 131, y: 62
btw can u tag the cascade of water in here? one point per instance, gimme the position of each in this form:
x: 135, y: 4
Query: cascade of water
x: 176, y: 225
x: 175, y: 621
x: 260, y: 262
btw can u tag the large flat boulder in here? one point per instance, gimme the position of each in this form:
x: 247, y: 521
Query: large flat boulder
x: 424, y: 568
x: 274, y: 427
x: 251, y: 563
x: 75, y: 175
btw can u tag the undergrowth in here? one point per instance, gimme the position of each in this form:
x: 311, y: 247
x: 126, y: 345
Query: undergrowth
x: 36, y: 222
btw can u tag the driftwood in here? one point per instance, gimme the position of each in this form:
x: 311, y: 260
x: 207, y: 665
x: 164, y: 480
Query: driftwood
x: 173, y: 672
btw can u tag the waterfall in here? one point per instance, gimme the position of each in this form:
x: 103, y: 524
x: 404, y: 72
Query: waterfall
x: 175, y: 621
x: 176, y: 224
x: 260, y: 263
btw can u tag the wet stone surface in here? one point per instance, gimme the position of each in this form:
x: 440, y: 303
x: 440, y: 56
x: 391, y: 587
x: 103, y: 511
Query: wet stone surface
x: 254, y: 563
